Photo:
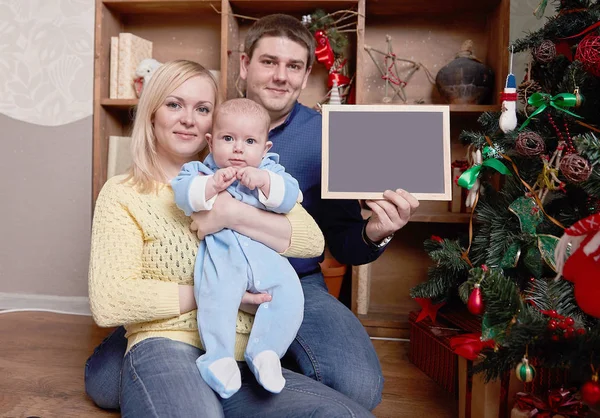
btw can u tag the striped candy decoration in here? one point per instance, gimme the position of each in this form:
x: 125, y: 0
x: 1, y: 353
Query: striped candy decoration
x: 525, y: 372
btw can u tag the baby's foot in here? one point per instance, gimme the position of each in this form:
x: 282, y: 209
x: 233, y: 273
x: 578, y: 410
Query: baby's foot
x: 268, y: 371
x: 224, y: 377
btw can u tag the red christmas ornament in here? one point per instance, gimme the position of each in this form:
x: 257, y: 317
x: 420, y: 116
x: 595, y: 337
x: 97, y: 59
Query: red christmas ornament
x: 570, y: 332
x: 323, y: 51
x: 475, y: 303
x: 437, y: 239
x: 588, y: 53
x: 582, y: 267
x: 590, y: 391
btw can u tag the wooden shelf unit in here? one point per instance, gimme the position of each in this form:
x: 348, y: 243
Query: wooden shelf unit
x: 212, y: 31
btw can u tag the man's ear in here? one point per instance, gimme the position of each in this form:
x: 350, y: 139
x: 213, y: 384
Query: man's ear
x: 244, y: 62
x: 268, y: 146
x: 308, y: 70
x: 209, y: 140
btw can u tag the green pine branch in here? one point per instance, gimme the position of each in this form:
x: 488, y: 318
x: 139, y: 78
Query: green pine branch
x: 561, y: 26
x: 447, y: 272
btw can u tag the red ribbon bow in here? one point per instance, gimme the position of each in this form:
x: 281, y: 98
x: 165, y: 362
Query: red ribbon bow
x: 469, y: 345
x: 325, y: 56
x: 323, y: 50
x: 559, y: 401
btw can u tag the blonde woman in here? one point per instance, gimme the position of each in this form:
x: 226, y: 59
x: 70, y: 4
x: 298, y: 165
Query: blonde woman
x: 142, y: 264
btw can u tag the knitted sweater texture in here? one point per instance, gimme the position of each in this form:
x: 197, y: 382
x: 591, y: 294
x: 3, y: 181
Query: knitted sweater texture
x: 142, y: 250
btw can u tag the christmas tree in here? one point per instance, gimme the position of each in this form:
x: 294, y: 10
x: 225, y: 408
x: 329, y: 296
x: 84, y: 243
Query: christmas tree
x: 530, y: 267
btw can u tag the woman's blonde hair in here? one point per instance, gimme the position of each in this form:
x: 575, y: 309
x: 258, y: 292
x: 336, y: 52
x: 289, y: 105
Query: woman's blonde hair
x: 145, y: 168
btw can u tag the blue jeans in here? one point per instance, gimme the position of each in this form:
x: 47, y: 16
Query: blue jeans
x: 331, y: 347
x: 160, y: 379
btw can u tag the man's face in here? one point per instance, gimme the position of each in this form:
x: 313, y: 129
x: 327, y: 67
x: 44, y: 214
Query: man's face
x: 276, y: 74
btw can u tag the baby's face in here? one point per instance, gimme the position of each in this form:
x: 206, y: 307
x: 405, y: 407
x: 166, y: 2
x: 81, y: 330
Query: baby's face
x: 239, y: 140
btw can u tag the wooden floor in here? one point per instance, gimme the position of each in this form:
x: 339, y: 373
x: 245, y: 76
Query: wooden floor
x: 42, y: 357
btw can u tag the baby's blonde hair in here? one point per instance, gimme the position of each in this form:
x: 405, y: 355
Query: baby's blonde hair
x: 145, y: 168
x: 244, y: 107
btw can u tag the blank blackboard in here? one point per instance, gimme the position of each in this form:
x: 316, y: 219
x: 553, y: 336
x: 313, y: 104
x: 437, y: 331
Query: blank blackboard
x: 368, y: 149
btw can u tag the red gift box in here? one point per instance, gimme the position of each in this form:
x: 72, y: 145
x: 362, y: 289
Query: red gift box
x: 478, y: 399
x: 430, y: 351
x: 546, y: 379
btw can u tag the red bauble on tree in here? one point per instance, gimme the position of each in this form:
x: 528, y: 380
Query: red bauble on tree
x: 590, y: 391
x: 588, y: 53
x: 475, y: 303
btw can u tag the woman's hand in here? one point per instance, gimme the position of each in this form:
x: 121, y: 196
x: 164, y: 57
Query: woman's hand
x: 187, y: 301
x: 249, y: 304
x: 251, y: 301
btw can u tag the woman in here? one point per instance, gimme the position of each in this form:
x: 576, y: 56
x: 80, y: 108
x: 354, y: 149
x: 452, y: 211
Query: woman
x: 142, y: 259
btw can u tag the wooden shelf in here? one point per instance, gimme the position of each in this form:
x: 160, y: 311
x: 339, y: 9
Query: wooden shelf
x: 474, y: 109
x: 254, y: 8
x: 447, y: 217
x: 382, y: 319
x: 211, y: 32
x: 431, y: 7
x: 162, y: 7
x: 432, y: 216
x: 120, y: 104
x: 387, y: 322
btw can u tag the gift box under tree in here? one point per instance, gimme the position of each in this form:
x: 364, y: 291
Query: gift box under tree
x: 430, y: 351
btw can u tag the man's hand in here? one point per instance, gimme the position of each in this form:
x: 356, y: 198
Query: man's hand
x: 221, y: 216
x: 253, y: 177
x: 390, y: 214
x: 251, y: 301
x: 223, y: 178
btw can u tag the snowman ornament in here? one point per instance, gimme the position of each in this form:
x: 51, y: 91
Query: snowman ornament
x: 508, y: 118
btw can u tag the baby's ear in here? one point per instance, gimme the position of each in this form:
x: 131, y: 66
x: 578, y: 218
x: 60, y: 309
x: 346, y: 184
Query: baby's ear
x: 268, y: 146
x: 208, y: 137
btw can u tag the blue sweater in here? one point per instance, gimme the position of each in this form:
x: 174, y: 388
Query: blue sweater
x: 298, y: 143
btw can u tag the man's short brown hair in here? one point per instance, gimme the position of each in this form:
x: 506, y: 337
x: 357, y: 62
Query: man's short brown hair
x: 280, y: 25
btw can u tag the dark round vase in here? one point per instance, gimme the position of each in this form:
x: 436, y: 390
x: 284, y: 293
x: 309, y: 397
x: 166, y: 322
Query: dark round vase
x: 465, y: 80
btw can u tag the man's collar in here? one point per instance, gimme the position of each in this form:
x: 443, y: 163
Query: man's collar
x: 289, y: 117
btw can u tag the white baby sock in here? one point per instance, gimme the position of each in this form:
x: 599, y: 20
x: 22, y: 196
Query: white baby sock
x: 224, y: 377
x: 267, y: 369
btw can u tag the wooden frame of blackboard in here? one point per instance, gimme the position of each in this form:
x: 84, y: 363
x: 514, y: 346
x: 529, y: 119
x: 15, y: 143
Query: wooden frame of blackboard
x: 438, y: 140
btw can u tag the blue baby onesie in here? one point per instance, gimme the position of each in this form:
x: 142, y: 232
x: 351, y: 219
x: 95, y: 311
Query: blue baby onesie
x: 228, y: 264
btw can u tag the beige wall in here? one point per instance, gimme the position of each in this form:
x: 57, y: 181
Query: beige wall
x: 522, y: 21
x: 46, y: 70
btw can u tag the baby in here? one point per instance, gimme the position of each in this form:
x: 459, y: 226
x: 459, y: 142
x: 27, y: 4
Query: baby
x: 228, y: 263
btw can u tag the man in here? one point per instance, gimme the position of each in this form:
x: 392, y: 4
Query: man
x: 332, y: 345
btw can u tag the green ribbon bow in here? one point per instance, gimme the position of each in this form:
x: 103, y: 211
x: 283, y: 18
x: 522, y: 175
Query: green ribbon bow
x: 530, y: 216
x: 468, y: 178
x: 561, y: 102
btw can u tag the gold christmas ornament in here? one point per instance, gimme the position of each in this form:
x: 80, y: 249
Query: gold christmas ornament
x: 525, y: 372
x: 578, y: 97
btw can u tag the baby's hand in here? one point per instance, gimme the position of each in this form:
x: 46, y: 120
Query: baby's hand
x: 253, y: 177
x: 223, y: 178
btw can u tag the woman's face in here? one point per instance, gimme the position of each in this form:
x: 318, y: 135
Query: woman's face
x: 183, y: 119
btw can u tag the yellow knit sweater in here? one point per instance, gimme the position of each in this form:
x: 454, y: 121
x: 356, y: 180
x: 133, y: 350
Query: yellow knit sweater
x: 142, y: 250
